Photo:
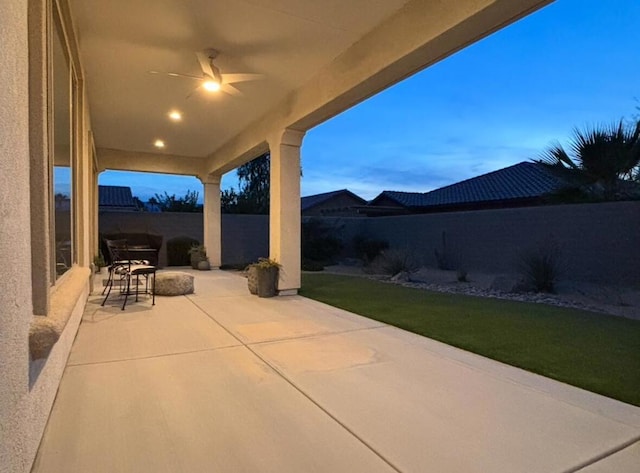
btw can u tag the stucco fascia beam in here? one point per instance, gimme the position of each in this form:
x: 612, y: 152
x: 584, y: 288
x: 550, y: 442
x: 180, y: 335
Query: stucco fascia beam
x: 121, y: 160
x: 420, y: 34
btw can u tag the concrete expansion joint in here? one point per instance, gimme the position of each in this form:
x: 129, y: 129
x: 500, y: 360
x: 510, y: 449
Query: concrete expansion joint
x: 313, y: 335
x: 325, y: 410
x: 291, y: 383
x: 151, y: 357
x: 598, y: 458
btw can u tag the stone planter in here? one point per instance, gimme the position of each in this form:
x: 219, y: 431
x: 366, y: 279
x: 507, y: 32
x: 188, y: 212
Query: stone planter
x: 252, y: 279
x: 267, y: 281
x: 204, y: 265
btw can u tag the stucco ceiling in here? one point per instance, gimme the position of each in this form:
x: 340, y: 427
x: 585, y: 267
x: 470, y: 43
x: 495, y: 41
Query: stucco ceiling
x: 288, y: 41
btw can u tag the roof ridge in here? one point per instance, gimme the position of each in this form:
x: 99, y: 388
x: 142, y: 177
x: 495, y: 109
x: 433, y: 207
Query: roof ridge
x: 480, y: 176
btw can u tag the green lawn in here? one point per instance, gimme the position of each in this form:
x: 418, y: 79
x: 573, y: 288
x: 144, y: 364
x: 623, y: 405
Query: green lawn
x: 596, y: 352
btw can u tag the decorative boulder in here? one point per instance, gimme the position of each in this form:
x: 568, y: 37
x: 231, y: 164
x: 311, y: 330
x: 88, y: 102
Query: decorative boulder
x: 402, y: 276
x: 174, y: 283
x: 509, y: 284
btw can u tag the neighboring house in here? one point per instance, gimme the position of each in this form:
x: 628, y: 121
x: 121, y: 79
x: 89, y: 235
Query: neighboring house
x: 520, y: 185
x: 116, y: 199
x: 342, y: 203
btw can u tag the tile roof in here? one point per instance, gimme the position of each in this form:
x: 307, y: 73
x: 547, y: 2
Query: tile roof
x: 313, y: 200
x: 521, y: 181
x: 115, y: 196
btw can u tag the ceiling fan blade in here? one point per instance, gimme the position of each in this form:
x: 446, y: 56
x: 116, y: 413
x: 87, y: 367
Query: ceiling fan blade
x: 190, y: 94
x: 205, y: 63
x: 232, y: 78
x: 231, y: 90
x: 175, y: 74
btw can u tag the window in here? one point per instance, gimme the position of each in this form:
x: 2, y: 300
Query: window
x: 61, y: 150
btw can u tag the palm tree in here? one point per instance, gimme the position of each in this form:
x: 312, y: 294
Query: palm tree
x: 603, y: 156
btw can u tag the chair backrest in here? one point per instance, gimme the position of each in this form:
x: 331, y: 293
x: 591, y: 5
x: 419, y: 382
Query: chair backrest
x: 117, y: 250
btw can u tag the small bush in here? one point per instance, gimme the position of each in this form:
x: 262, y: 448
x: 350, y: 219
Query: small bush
x: 369, y: 249
x: 310, y: 265
x: 98, y: 260
x: 461, y: 275
x: 395, y: 261
x: 540, y: 266
x: 178, y: 250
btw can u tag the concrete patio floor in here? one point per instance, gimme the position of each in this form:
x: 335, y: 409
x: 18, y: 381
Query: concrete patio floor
x: 222, y: 381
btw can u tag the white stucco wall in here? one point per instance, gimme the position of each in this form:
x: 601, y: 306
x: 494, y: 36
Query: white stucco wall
x: 25, y: 402
x: 15, y: 253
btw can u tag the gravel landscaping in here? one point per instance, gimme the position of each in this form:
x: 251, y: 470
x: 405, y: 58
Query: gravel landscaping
x: 624, y: 302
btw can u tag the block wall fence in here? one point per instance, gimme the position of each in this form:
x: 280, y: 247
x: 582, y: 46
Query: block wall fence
x: 245, y: 238
x: 597, y: 242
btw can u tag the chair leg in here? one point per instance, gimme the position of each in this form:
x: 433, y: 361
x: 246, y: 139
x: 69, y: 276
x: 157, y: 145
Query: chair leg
x: 108, y: 280
x: 109, y: 285
x: 153, y: 289
x: 137, y: 285
x: 126, y: 293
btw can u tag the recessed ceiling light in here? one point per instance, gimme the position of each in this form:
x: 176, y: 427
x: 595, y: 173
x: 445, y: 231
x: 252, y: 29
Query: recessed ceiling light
x: 211, y: 85
x: 158, y: 144
x: 175, y: 115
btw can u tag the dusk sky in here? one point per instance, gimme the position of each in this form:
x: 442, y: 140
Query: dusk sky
x: 501, y: 101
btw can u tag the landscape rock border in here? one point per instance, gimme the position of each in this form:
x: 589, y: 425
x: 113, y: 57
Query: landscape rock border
x: 591, y: 297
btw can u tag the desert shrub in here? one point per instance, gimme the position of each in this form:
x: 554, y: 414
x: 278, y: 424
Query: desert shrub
x: 540, y: 266
x: 320, y: 241
x: 178, y: 250
x: 311, y: 265
x: 395, y: 261
x: 368, y: 249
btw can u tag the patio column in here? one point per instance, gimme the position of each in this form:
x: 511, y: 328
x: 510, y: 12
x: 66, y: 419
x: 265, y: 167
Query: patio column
x: 284, y: 212
x: 211, y: 217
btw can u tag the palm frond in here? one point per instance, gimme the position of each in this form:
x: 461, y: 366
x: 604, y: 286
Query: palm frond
x: 555, y: 155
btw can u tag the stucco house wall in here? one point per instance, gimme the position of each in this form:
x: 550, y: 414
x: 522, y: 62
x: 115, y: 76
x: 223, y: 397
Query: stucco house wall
x: 15, y: 297
x: 30, y: 297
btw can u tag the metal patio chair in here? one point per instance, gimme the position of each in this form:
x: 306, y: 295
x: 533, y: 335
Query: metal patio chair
x: 123, y: 269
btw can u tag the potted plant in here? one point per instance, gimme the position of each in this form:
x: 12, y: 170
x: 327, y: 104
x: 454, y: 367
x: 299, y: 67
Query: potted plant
x: 197, y: 253
x: 98, y: 262
x: 262, y: 277
x: 204, y: 265
x: 252, y: 278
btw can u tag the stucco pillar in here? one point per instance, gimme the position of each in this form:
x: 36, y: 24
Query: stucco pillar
x: 43, y: 271
x: 212, y: 217
x: 284, y: 214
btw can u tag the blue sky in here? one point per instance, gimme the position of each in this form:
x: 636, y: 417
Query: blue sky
x: 499, y: 102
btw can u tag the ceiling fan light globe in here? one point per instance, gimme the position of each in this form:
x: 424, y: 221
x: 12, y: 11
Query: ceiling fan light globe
x: 211, y: 86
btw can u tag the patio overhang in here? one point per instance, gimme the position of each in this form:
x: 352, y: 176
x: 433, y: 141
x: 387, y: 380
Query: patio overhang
x: 316, y: 60
x: 315, y: 63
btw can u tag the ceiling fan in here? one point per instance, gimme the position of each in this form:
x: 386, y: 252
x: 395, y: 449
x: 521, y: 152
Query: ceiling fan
x: 212, y: 80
